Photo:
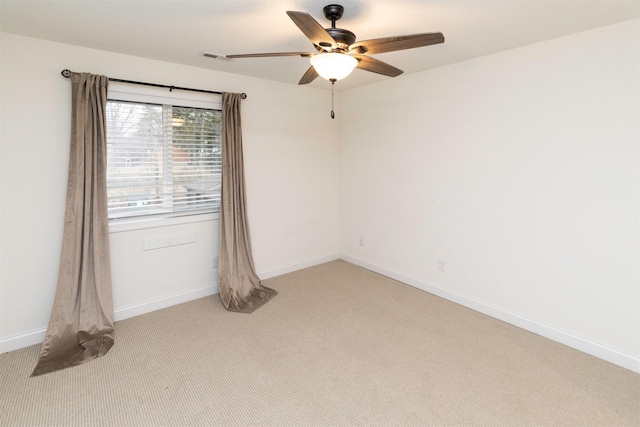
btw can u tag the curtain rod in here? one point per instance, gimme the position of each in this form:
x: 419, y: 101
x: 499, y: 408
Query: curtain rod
x: 67, y: 74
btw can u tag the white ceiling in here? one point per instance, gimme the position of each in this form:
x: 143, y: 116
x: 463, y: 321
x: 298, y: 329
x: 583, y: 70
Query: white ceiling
x: 181, y: 30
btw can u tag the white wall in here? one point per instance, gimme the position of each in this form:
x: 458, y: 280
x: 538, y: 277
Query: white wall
x: 292, y: 174
x: 521, y: 171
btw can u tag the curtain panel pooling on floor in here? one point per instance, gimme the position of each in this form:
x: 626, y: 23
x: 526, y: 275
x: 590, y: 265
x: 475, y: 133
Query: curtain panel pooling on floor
x: 240, y: 286
x: 81, y: 323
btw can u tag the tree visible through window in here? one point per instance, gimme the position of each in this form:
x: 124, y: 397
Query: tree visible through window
x: 162, y: 159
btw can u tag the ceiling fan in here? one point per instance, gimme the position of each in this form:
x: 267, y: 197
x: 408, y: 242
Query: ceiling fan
x: 337, y: 52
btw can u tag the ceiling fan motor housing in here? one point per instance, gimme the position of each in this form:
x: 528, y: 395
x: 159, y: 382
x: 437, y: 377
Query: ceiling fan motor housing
x: 344, y: 38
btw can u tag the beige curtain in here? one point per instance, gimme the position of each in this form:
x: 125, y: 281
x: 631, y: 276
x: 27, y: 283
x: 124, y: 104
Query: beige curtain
x: 240, y: 287
x: 81, y: 324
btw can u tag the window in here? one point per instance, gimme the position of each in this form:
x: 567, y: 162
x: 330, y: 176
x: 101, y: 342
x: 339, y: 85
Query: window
x: 162, y: 158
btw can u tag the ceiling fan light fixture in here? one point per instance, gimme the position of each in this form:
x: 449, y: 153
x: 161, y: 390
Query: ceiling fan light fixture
x: 333, y: 66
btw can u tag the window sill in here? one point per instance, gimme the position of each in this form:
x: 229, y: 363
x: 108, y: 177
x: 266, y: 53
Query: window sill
x: 131, y: 224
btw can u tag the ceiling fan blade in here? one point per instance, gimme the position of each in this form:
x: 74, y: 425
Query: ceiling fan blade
x: 368, y: 63
x: 313, y: 30
x: 264, y: 55
x: 390, y: 44
x: 309, y: 76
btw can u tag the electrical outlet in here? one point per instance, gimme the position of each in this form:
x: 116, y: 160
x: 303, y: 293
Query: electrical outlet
x: 361, y: 241
x: 214, y: 262
x: 441, y: 265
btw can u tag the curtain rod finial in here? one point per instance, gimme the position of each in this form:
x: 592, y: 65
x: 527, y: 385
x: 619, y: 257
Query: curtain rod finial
x: 66, y: 73
x: 243, y: 95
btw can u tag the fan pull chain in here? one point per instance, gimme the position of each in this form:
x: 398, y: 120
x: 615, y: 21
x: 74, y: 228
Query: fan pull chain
x: 333, y: 82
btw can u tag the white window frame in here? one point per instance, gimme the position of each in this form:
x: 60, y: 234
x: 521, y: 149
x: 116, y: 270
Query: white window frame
x: 154, y: 95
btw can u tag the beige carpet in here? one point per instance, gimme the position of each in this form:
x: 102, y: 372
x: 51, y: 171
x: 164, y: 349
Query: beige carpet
x: 338, y: 346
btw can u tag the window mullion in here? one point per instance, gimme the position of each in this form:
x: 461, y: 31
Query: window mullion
x: 167, y: 158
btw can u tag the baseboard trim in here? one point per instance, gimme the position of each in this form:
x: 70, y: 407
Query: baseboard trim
x: 610, y: 355
x: 267, y: 274
x: 36, y: 337
x: 160, y: 303
x: 23, y: 340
